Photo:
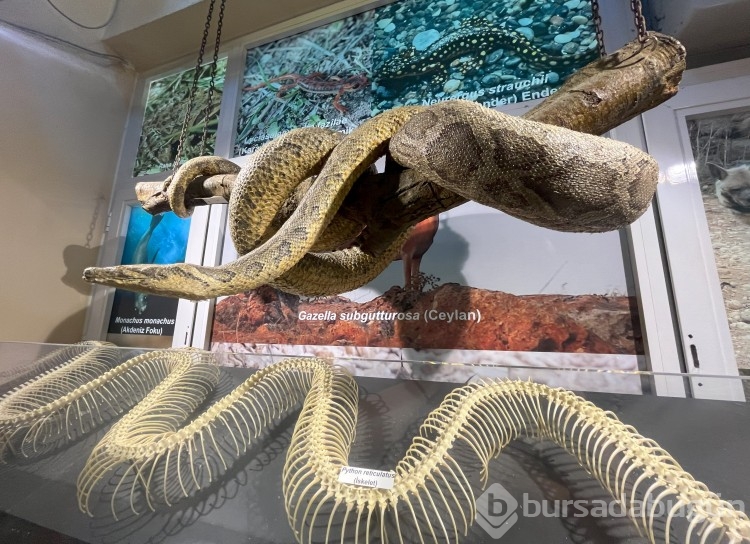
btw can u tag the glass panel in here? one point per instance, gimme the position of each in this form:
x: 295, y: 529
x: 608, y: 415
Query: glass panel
x: 721, y: 150
x: 225, y: 483
x: 139, y: 319
x: 166, y: 104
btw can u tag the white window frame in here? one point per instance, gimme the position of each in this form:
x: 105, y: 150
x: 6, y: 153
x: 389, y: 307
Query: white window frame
x: 699, y: 305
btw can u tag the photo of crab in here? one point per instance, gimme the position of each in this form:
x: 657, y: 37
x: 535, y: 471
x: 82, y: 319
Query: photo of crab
x: 319, y: 78
x: 492, y: 52
x: 166, y: 103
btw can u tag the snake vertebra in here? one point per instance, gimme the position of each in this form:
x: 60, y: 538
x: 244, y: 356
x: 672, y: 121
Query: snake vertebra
x: 431, y: 494
x: 544, y: 174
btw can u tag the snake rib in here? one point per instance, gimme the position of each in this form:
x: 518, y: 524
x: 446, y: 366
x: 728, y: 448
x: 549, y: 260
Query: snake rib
x: 55, y: 404
x: 179, y: 381
x: 432, y: 496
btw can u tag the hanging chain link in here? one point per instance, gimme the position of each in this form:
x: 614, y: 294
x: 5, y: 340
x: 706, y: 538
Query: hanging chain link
x: 640, y: 20
x: 194, y: 85
x: 94, y: 221
x: 640, y: 23
x: 598, y: 25
x: 212, y: 84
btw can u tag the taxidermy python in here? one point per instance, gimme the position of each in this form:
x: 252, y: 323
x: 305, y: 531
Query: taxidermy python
x: 548, y: 175
x: 159, y: 443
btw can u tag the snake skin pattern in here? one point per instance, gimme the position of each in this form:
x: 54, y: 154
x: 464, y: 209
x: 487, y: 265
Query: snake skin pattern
x: 548, y: 175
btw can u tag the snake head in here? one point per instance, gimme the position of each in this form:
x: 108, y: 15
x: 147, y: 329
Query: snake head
x: 176, y: 280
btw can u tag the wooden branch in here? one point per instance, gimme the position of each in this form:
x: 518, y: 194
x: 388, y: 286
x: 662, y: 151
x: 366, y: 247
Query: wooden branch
x: 616, y: 88
x: 199, y: 193
x: 596, y: 99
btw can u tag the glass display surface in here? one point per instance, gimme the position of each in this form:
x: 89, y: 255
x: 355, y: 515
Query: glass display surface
x: 534, y: 492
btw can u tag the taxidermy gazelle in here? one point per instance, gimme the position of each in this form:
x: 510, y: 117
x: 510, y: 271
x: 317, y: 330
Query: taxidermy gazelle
x: 419, y: 241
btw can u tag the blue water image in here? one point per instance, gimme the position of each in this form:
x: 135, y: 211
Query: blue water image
x: 166, y: 243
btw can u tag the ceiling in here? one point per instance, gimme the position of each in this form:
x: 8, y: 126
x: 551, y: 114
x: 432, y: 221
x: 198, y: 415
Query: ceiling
x: 151, y: 33
x: 712, y: 31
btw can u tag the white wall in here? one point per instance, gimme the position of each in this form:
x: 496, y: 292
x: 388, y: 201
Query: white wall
x: 62, y: 117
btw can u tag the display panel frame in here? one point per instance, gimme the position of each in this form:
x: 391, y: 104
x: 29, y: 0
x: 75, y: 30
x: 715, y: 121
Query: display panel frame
x: 700, y: 314
x: 100, y: 307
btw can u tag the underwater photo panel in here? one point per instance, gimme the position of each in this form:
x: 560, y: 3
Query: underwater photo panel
x: 150, y: 239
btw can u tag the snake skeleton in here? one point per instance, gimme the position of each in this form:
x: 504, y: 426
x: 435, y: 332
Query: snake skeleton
x: 159, y: 443
x: 547, y: 175
x: 79, y: 390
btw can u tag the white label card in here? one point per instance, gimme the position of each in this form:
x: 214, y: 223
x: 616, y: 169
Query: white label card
x: 365, y: 477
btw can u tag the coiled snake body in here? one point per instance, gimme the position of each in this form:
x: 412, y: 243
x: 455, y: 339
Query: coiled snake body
x: 547, y: 175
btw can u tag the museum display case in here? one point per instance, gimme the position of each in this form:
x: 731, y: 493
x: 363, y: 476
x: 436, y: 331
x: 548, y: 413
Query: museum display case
x: 538, y: 492
x: 545, y: 357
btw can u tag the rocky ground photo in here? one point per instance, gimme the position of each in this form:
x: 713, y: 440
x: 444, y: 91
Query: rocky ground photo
x: 450, y: 316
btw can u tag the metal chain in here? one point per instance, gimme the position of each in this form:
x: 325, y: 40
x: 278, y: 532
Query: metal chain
x: 94, y: 220
x: 598, y: 25
x: 193, y: 87
x: 640, y: 21
x: 212, y: 84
